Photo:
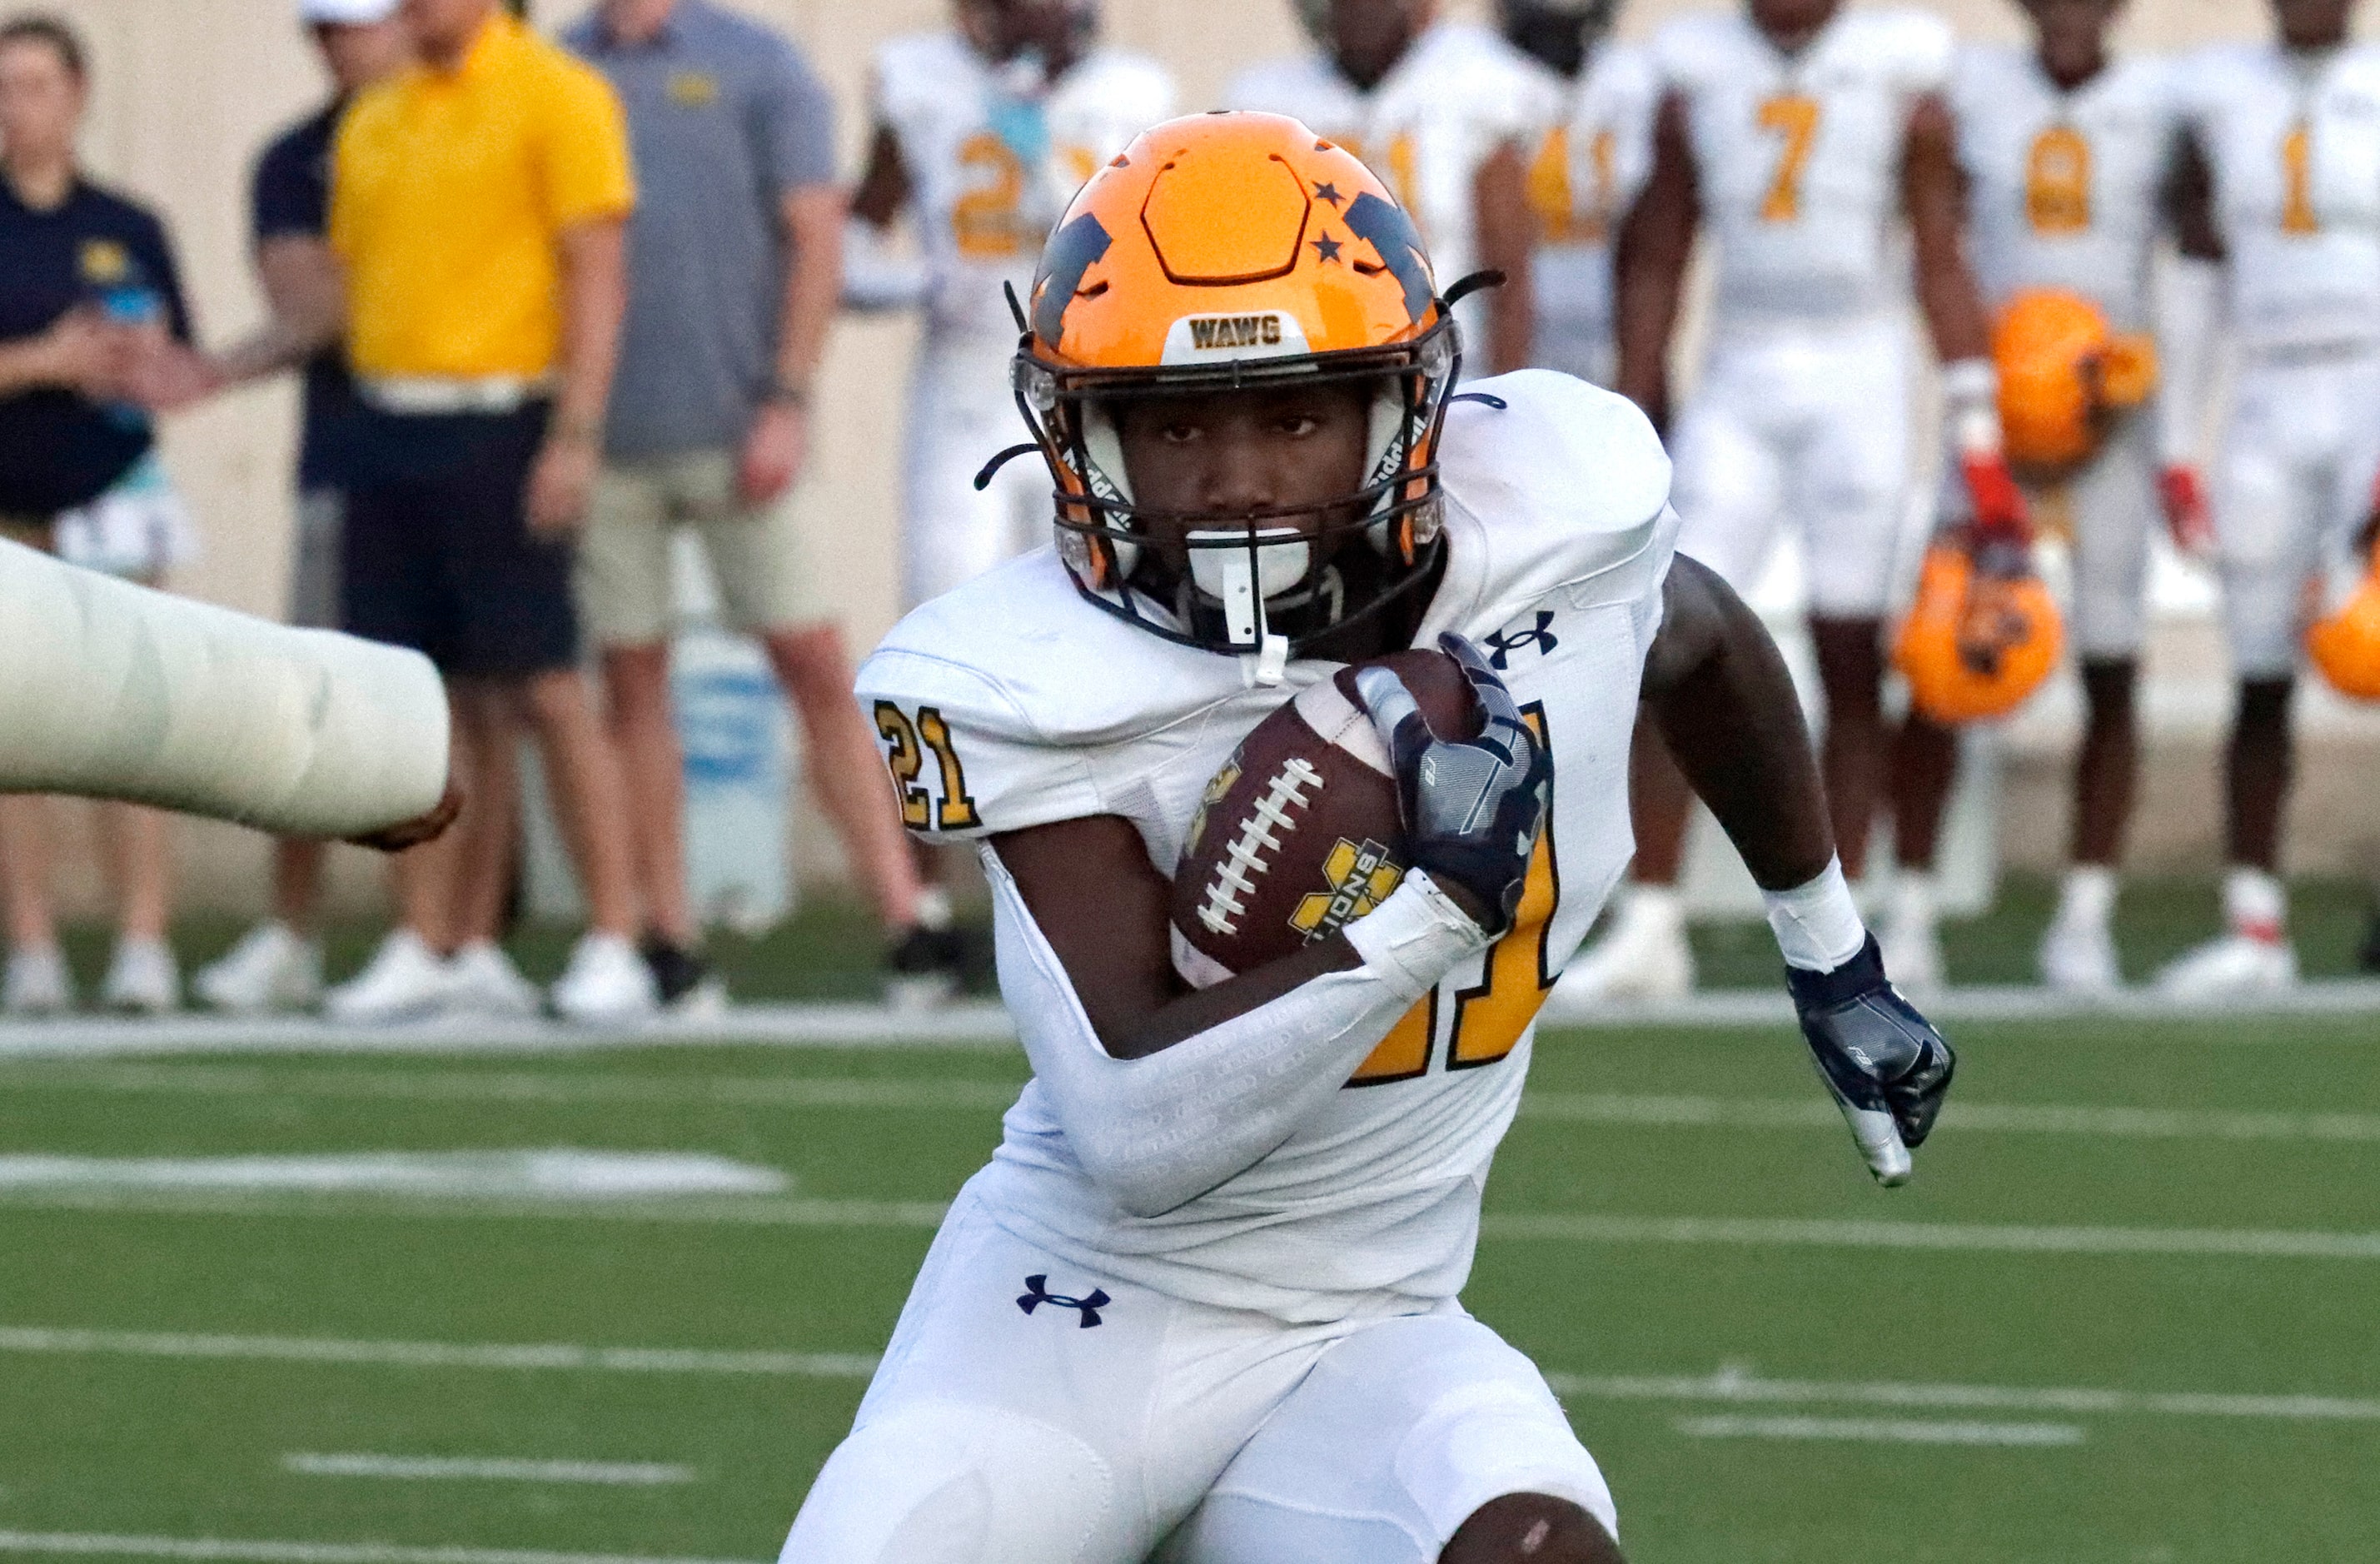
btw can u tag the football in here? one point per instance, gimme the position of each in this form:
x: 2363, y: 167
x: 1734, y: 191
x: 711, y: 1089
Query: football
x: 1298, y: 834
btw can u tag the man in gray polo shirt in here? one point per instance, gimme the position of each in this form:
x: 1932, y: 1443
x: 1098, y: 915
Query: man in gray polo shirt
x: 736, y: 263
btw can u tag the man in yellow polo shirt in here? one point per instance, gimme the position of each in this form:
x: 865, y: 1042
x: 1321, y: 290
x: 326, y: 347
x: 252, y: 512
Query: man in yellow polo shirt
x: 478, y: 204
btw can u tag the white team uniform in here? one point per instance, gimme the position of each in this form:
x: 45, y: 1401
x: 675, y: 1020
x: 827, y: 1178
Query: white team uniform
x: 2295, y: 152
x: 1802, y: 412
x: 2063, y: 191
x: 1281, y: 1368
x: 1459, y: 92
x: 991, y: 170
x: 1586, y: 174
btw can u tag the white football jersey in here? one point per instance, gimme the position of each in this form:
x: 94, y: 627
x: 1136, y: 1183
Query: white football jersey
x: 992, y: 162
x: 2063, y: 188
x: 1459, y: 93
x: 1798, y: 157
x: 2295, y: 150
x: 1013, y: 702
x: 1586, y: 174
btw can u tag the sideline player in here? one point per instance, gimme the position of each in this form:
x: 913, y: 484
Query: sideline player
x: 1800, y: 136
x: 1585, y: 175
x: 1448, y: 114
x: 2068, y: 158
x: 2283, y: 180
x: 1207, y: 1288
x: 983, y: 132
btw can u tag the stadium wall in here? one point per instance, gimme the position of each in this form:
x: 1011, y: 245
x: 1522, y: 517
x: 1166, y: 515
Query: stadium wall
x: 186, y: 89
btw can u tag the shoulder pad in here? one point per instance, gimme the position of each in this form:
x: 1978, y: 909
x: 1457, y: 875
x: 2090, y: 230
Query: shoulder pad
x: 1691, y: 48
x: 916, y: 70
x: 1913, y: 50
x: 1568, y: 485
x: 1276, y: 86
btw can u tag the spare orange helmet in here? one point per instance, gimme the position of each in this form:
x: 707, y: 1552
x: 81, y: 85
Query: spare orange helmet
x: 1229, y: 251
x: 2062, y: 371
x: 1982, y: 635
x: 2345, y: 643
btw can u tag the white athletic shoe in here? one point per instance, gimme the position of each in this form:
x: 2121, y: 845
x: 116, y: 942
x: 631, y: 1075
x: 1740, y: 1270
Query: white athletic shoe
x: 144, y: 978
x: 38, y: 982
x: 2236, y: 963
x: 406, y: 980
x: 607, y: 982
x: 1643, y: 957
x: 2079, y: 957
x: 273, y: 967
x: 483, y: 980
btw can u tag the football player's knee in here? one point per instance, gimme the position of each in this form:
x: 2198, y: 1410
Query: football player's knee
x: 948, y: 1483
x: 1531, y: 1529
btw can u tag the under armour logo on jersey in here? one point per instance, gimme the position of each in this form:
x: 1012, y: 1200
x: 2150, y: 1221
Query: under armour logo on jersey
x: 1507, y: 642
x: 1038, y: 1293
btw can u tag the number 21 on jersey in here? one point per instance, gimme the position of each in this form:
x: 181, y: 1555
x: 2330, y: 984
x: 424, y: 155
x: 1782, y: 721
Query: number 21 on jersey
x: 1490, y: 1015
x: 907, y: 745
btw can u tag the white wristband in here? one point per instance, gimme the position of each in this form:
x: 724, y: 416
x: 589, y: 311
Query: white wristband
x: 1413, y: 938
x: 1817, y: 925
x: 1970, y: 407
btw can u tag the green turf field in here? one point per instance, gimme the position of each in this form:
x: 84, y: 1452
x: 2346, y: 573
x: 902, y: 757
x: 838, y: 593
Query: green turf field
x: 2129, y: 1313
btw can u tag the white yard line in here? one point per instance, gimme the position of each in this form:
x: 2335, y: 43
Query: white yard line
x: 1540, y: 1226
x: 1732, y: 1385
x: 979, y: 1024
x: 840, y: 1093
x: 494, y: 1469
x: 1880, y: 1431
x: 229, y: 1549
x: 549, y: 1174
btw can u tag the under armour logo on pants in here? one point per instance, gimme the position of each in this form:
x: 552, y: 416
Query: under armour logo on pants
x: 1038, y: 1293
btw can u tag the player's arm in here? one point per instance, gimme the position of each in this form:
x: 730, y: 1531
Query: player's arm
x: 1726, y: 705
x: 1500, y: 194
x: 1656, y: 242
x: 2189, y: 303
x: 1165, y: 1093
x: 1933, y: 194
x: 874, y: 278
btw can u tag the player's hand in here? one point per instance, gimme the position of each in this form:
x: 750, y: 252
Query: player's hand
x: 1472, y: 808
x: 2186, y: 515
x: 1887, y: 1068
x: 561, y: 485
x: 775, y: 450
x: 420, y: 829
x: 2000, y: 510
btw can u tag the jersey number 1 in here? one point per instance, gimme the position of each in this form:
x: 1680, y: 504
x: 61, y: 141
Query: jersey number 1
x: 1796, y: 119
x: 1490, y: 1015
x: 2297, y: 181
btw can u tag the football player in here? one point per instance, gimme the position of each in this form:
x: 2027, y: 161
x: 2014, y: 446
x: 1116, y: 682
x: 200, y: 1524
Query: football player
x: 1448, y: 114
x: 2283, y: 182
x: 982, y: 133
x: 1208, y: 1290
x: 2068, y: 158
x: 1585, y: 175
x: 1800, y: 136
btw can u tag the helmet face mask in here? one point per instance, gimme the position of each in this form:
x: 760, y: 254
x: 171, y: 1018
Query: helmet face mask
x: 1346, y: 268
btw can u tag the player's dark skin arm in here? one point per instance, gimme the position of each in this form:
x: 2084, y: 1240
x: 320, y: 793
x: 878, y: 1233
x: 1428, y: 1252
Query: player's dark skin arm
x: 1721, y: 693
x: 1934, y: 193
x: 884, y: 188
x: 1649, y: 265
x: 1501, y: 206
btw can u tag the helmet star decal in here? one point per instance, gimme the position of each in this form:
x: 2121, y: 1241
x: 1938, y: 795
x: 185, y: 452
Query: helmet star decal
x: 1328, y: 247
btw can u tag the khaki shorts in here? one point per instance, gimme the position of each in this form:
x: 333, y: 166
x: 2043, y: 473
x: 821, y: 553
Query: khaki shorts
x: 624, y: 555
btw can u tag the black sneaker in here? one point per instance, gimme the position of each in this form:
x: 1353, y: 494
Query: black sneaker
x: 685, y: 980
x: 925, y: 969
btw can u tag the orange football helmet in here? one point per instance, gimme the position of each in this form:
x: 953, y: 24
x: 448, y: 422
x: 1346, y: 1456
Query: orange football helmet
x: 2345, y: 643
x: 1229, y: 251
x: 1982, y: 635
x: 2063, y: 374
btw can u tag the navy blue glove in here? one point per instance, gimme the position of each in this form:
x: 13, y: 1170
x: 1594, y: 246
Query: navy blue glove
x: 1887, y: 1066
x: 1472, y: 808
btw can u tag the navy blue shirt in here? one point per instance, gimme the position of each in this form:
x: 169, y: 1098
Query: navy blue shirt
x: 289, y: 197
x: 59, y: 449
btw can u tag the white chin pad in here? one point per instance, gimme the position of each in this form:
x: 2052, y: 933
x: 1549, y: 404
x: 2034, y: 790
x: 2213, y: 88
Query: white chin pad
x: 1224, y: 574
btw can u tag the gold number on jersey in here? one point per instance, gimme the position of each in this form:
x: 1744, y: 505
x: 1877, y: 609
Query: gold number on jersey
x: 1562, y: 217
x: 904, y: 754
x: 1795, y: 119
x: 2058, y: 182
x: 1490, y: 1017
x: 2297, y: 181
x: 905, y: 760
x: 1399, y: 171
x: 987, y: 220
